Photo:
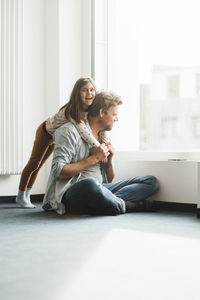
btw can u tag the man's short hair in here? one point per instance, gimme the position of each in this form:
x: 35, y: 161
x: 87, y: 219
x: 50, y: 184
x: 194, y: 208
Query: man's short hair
x: 103, y: 100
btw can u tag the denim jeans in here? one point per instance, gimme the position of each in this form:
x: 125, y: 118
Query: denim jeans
x: 88, y: 196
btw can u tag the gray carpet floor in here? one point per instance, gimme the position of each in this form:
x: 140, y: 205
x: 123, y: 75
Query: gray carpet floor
x: 133, y: 256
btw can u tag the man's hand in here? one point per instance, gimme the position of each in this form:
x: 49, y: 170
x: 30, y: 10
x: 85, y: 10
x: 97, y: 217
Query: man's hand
x: 100, y: 153
x: 97, y: 154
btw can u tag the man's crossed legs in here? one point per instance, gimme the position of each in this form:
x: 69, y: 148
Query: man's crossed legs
x: 88, y: 196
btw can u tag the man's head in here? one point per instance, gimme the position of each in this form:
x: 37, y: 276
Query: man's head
x: 105, y: 108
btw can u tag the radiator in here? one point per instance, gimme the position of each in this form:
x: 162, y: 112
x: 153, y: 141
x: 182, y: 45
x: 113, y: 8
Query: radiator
x: 179, y: 180
x: 11, y: 87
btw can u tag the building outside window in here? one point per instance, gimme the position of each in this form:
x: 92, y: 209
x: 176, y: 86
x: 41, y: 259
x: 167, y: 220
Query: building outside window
x: 173, y: 86
x: 196, y: 126
x: 168, y: 127
x: 197, y: 86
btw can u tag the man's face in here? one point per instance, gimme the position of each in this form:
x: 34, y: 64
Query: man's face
x: 110, y: 117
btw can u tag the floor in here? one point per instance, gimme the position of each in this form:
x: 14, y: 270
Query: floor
x: 135, y: 256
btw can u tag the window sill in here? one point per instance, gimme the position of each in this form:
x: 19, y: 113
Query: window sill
x: 159, y: 156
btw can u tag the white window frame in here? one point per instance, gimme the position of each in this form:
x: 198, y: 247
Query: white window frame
x: 136, y: 155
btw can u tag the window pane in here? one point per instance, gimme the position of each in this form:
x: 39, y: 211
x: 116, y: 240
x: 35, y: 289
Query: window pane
x: 153, y: 62
x: 173, y: 86
x: 119, y: 60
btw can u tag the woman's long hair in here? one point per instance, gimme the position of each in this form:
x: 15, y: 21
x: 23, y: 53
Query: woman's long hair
x: 73, y: 108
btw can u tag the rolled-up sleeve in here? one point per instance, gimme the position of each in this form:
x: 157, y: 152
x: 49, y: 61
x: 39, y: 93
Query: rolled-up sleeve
x: 65, y: 141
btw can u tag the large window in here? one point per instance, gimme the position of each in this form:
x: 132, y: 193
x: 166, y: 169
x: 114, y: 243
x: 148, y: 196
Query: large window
x: 173, y: 84
x: 148, y: 52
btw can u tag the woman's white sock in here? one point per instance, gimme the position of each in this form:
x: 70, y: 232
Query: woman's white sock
x: 28, y: 193
x: 23, y: 201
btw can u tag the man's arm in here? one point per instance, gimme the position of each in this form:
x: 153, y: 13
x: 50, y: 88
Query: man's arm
x: 109, y: 165
x: 97, y: 154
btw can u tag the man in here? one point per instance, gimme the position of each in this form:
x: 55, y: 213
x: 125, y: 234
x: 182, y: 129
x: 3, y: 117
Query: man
x: 80, y: 182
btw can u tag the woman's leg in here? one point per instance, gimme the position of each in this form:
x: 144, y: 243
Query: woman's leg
x: 42, y: 148
x: 35, y: 173
x: 42, y: 145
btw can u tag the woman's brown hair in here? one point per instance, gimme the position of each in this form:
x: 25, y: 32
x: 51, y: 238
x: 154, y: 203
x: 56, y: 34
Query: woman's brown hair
x: 73, y: 106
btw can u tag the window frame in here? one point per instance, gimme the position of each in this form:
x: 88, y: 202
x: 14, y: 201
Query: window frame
x: 140, y: 154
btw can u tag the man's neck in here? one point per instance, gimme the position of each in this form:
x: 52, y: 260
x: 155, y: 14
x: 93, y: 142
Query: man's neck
x: 95, y: 126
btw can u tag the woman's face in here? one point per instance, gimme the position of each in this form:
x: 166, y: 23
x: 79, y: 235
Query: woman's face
x: 87, y: 93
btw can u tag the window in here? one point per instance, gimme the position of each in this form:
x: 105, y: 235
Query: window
x: 197, y: 86
x: 196, y: 126
x: 168, y: 127
x: 173, y: 86
x: 151, y: 62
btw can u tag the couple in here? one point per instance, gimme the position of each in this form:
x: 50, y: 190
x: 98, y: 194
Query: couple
x: 80, y: 180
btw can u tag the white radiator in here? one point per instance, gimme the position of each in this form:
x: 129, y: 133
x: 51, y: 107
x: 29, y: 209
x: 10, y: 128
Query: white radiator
x: 179, y: 180
x: 11, y: 88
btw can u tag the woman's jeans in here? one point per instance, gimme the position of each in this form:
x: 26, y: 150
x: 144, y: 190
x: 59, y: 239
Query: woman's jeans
x: 88, y: 196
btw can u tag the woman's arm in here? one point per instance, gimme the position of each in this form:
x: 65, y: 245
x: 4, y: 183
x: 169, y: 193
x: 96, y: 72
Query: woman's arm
x: 85, y: 133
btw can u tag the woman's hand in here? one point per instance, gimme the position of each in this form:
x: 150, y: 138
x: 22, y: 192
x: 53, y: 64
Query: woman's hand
x: 111, y: 151
x: 100, y: 153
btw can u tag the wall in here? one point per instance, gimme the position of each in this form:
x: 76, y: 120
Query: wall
x: 52, y: 61
x: 33, y: 83
x: 75, y: 44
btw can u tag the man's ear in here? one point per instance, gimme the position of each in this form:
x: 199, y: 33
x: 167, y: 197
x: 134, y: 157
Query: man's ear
x: 101, y: 113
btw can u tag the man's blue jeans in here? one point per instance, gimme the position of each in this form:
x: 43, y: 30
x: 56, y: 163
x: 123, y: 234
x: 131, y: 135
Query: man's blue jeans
x: 88, y: 196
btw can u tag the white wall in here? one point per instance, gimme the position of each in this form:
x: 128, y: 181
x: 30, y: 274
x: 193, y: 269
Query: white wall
x: 33, y: 84
x: 75, y: 43
x: 33, y: 77
x: 52, y: 61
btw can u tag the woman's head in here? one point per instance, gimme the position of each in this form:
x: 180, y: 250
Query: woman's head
x: 82, y: 96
